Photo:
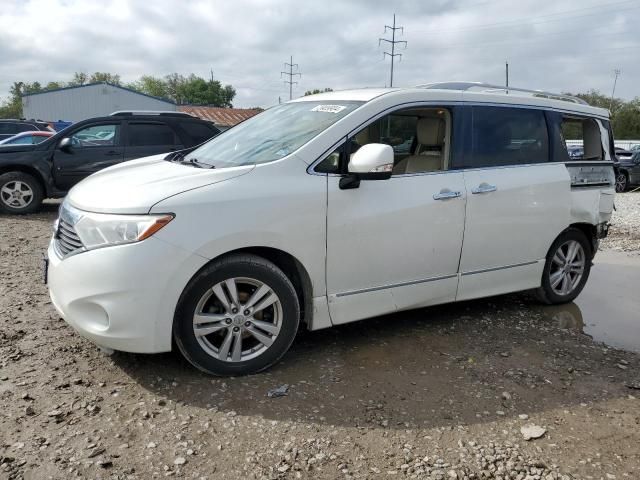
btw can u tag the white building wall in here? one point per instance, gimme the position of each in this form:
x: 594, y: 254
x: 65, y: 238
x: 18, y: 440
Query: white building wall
x: 80, y: 103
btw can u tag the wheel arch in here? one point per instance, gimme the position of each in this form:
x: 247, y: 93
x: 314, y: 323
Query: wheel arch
x: 28, y: 170
x: 292, y: 268
x: 590, y: 231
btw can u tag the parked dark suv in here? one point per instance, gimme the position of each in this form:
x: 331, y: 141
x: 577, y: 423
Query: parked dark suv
x: 11, y: 127
x: 628, y: 171
x: 31, y: 173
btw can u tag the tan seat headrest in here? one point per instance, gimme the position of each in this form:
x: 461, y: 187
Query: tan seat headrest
x: 430, y: 131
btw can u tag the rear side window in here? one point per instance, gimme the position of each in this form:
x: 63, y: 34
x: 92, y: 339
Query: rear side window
x: 150, y: 134
x: 11, y: 128
x: 503, y: 136
x: 25, y: 127
x: 582, y: 137
x: 199, y: 132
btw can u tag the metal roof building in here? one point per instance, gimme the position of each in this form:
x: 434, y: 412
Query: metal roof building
x: 86, y: 101
x: 222, y: 118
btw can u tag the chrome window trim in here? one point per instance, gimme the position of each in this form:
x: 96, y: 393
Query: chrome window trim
x: 450, y: 103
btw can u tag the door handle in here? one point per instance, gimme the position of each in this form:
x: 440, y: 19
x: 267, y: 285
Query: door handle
x: 112, y: 153
x: 484, y: 188
x: 445, y: 193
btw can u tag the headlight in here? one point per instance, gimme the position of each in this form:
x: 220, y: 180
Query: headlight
x: 101, y: 230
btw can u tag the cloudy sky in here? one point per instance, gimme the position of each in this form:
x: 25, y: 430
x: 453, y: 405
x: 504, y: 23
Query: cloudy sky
x: 556, y: 45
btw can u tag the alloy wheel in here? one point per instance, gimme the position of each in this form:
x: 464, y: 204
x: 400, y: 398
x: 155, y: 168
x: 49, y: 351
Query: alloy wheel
x: 16, y: 194
x: 567, y: 267
x: 621, y: 182
x: 238, y: 319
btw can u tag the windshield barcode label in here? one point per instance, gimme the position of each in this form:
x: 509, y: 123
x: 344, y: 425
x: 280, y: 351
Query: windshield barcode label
x: 328, y: 108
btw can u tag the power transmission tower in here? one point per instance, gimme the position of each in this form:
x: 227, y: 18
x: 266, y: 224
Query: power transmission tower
x: 393, y: 42
x: 615, y: 80
x: 291, y: 74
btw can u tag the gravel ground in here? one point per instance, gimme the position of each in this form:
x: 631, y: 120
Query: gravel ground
x: 438, y: 393
x: 624, y: 234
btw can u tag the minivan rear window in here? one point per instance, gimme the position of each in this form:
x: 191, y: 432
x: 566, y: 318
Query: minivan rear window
x: 503, y: 136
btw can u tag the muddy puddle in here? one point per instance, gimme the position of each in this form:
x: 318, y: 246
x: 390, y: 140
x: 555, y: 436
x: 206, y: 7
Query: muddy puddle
x: 608, y: 309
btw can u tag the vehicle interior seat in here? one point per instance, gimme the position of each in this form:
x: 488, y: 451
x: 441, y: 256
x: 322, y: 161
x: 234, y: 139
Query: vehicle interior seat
x: 429, y: 152
x: 360, y: 139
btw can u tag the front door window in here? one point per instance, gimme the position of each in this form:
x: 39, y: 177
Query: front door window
x: 95, y: 136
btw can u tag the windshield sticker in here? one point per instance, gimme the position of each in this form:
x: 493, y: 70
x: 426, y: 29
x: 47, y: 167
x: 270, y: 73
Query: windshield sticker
x: 328, y: 108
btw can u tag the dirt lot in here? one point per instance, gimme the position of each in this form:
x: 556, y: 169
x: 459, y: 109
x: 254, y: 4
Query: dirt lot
x: 433, y: 393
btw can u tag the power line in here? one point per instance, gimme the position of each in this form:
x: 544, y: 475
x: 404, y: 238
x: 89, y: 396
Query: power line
x: 291, y: 74
x: 553, y: 17
x: 393, y: 42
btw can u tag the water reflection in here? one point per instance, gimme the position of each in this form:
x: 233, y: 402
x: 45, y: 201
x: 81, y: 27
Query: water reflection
x: 608, y: 309
x: 566, y: 316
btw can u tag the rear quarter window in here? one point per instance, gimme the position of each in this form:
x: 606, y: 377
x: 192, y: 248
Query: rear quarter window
x: 11, y: 128
x: 198, y: 132
x: 582, y: 137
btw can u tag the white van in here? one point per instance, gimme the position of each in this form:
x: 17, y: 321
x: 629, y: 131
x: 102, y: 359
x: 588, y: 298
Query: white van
x: 329, y: 209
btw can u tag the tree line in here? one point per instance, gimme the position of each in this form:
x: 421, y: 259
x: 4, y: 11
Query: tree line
x: 625, y: 115
x: 195, y: 90
x: 184, y: 90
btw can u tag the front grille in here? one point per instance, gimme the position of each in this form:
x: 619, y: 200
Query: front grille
x: 67, y: 240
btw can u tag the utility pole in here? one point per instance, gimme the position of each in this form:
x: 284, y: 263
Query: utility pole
x: 615, y: 80
x: 212, y: 75
x: 393, y: 42
x: 507, y: 75
x: 291, y: 74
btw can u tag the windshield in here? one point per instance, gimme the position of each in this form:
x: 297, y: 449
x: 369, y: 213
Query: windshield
x: 271, y: 135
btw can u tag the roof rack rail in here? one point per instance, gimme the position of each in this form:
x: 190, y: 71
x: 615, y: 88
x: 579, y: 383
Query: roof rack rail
x: 488, y: 88
x: 168, y: 113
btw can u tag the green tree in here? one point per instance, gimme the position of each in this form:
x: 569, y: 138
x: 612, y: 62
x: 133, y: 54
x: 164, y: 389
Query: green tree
x: 111, y: 78
x: 79, y: 78
x: 626, y: 121
x: 151, y: 85
x: 317, y: 90
x: 12, y: 108
x: 174, y: 84
x: 198, y: 91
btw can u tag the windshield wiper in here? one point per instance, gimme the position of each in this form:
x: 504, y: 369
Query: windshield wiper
x: 196, y: 163
x: 179, y: 157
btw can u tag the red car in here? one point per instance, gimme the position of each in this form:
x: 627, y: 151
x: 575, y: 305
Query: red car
x: 27, y: 138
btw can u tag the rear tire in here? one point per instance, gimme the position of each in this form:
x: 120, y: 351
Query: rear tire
x: 622, y: 181
x: 20, y: 193
x: 238, y: 316
x: 566, y: 269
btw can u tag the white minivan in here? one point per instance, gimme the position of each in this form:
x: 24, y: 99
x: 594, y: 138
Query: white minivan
x: 333, y: 208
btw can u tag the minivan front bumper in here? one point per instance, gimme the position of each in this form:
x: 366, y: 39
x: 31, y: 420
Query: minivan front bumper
x: 122, y: 297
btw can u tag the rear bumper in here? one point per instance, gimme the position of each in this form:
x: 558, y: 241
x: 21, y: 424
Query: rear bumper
x: 602, y: 230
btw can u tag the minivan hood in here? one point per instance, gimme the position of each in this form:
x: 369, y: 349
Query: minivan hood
x: 137, y: 185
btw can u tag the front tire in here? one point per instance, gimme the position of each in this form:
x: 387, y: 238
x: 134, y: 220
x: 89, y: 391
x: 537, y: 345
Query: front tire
x: 237, y: 316
x: 566, y: 269
x: 20, y: 193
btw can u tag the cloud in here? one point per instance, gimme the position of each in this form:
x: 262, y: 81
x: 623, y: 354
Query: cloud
x: 559, y: 46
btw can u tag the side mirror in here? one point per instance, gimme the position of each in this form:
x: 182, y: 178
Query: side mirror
x: 66, y: 145
x: 373, y: 161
